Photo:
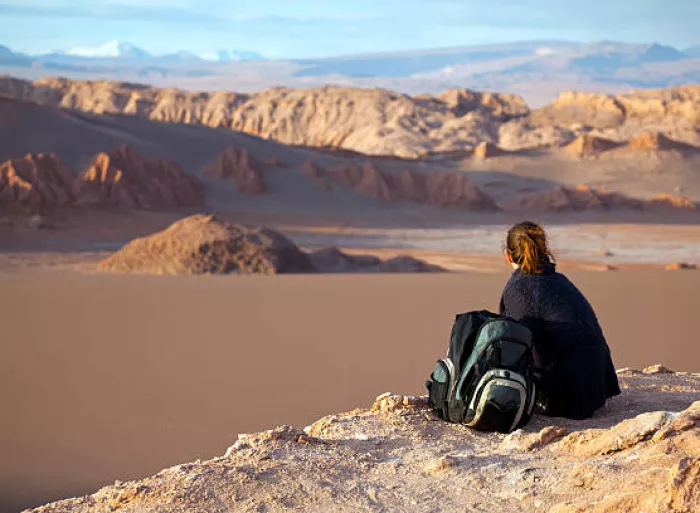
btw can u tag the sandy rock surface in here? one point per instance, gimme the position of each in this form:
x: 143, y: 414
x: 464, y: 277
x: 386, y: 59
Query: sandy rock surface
x: 641, y: 452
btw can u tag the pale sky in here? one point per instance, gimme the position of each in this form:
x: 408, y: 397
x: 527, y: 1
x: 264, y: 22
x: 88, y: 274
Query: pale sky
x: 307, y: 28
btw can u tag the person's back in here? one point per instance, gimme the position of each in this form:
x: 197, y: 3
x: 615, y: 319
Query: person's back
x: 578, y: 373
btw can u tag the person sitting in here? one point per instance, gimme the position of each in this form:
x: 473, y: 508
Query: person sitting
x: 578, y: 374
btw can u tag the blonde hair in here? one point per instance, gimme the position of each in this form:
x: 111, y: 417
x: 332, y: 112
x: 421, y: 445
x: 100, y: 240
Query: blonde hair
x: 527, y: 243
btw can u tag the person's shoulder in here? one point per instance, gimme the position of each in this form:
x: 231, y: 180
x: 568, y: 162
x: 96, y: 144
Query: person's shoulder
x: 519, y: 282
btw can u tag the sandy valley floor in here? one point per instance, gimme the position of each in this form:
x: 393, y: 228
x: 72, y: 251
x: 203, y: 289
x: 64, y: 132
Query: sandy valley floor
x: 106, y: 377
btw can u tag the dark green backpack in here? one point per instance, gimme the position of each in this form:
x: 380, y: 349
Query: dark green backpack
x: 487, y: 380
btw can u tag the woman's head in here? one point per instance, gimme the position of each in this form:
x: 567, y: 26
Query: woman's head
x: 526, y: 247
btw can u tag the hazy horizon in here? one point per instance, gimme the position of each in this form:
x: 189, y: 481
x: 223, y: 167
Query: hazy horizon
x: 280, y: 30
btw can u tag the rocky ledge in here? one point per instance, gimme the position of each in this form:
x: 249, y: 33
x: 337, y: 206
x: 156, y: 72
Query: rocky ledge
x: 641, y: 452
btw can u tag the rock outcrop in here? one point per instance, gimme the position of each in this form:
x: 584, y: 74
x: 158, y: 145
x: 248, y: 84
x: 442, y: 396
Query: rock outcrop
x: 381, y: 122
x: 487, y: 150
x: 201, y: 244
x: 638, y: 453
x: 238, y: 165
x: 588, y: 146
x: 312, y: 169
x: 672, y: 201
x: 36, y: 182
x: 583, y: 197
x: 122, y: 178
x: 333, y: 260
x: 438, y: 188
x: 681, y: 266
x: 655, y: 141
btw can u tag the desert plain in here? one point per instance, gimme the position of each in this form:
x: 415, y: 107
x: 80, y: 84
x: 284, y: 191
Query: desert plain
x: 121, y: 358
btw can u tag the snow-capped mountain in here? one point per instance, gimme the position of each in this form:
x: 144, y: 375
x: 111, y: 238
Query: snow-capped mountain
x: 231, y: 55
x: 111, y: 49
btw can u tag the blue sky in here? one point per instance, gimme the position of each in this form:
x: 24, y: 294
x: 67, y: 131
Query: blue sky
x: 305, y: 28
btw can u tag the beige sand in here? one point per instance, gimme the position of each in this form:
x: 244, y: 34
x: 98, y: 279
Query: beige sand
x: 108, y: 377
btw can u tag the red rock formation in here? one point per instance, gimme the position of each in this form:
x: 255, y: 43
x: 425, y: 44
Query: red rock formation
x: 36, y: 181
x: 240, y: 166
x: 487, y: 150
x: 589, y: 145
x: 122, y: 178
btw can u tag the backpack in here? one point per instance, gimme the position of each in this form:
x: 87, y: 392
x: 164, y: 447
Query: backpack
x: 487, y: 379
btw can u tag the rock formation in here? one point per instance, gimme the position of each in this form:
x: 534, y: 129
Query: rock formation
x: 371, y: 121
x: 438, y: 188
x: 588, y: 145
x: 380, y: 122
x: 681, y: 266
x: 333, y: 260
x: 583, y: 197
x: 657, y: 141
x: 672, y: 201
x: 487, y: 150
x: 36, y: 182
x: 240, y: 166
x: 375, y: 184
x: 312, y: 169
x: 450, y: 189
x: 638, y: 453
x: 121, y: 178
x: 201, y: 244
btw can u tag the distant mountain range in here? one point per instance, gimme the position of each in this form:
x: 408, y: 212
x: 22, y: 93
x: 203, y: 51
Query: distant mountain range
x: 121, y: 51
x: 538, y: 70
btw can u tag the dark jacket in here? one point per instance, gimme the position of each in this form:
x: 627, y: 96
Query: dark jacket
x: 578, y: 372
